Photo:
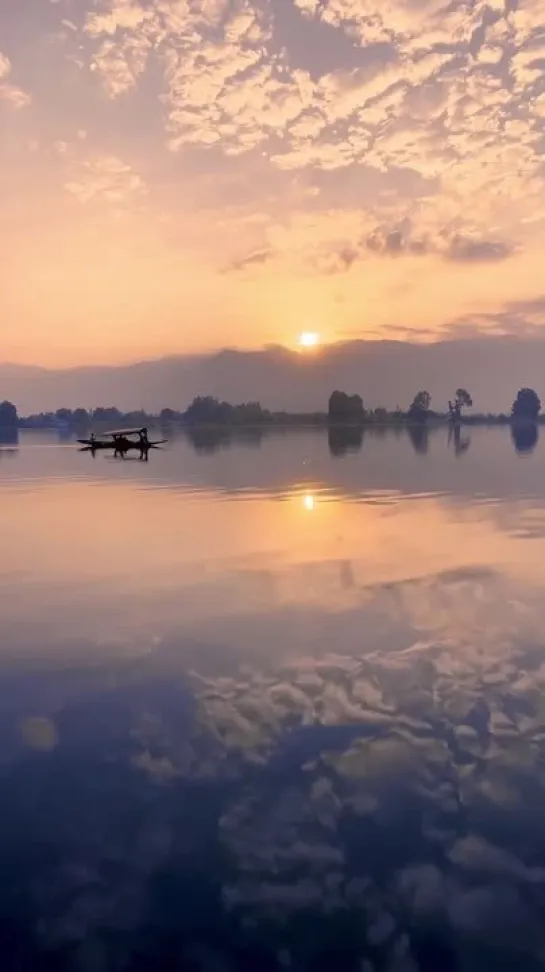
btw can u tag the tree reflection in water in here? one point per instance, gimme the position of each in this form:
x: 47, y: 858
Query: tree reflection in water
x: 525, y: 436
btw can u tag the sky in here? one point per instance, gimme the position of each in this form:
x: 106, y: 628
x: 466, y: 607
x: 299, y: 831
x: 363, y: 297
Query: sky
x: 184, y: 175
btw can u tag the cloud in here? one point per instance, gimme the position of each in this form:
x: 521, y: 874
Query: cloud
x: 5, y: 66
x: 39, y: 733
x: 256, y: 258
x: 467, y: 250
x: 403, y: 240
x: 521, y: 318
x: 339, y: 261
x: 14, y: 96
x: 475, y: 854
x: 219, y: 84
x: 449, y: 91
x: 394, y: 241
x: 10, y: 94
x: 104, y: 179
x: 457, y: 246
x: 120, y: 68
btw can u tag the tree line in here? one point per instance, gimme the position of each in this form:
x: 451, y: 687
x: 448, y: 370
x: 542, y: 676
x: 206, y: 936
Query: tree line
x: 203, y: 410
x: 343, y: 408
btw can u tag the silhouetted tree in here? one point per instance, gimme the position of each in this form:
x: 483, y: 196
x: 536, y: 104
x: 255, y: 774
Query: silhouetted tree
x: 168, y: 416
x: 525, y: 437
x: 8, y: 416
x: 248, y: 413
x: 462, y: 400
x: 420, y: 407
x: 527, y: 405
x: 136, y: 419
x: 206, y: 410
x: 64, y: 415
x: 345, y: 408
x: 422, y: 400
x: 80, y: 417
x: 110, y: 416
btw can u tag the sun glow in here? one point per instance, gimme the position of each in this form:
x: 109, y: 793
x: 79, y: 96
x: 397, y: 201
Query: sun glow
x: 309, y: 339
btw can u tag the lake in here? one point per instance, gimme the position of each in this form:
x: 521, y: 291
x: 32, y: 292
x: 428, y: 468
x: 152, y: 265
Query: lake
x: 274, y: 701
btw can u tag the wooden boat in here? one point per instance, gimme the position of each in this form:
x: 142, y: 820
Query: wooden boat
x: 88, y: 446
x: 120, y: 441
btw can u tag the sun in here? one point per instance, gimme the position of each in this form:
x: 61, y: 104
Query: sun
x: 309, y: 339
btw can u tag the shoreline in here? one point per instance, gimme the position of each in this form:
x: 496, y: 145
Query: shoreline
x: 291, y: 422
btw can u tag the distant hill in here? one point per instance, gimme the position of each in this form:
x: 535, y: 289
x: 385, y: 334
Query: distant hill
x: 383, y: 373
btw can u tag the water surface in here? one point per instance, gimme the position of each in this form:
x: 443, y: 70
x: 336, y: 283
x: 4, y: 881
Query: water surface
x: 274, y: 701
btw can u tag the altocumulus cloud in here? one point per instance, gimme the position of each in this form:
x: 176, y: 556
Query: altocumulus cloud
x: 453, y: 93
x: 104, y: 178
x: 428, y: 93
x: 302, y: 141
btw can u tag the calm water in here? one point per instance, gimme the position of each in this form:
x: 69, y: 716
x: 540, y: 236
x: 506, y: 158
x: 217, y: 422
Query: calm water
x: 274, y: 703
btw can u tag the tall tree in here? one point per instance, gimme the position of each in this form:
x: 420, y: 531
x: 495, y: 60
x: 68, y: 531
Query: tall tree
x: 345, y: 408
x: 420, y: 407
x: 527, y: 405
x: 168, y: 416
x: 111, y: 415
x: 422, y: 400
x: 64, y: 414
x: 462, y: 399
x: 8, y: 415
x: 80, y: 417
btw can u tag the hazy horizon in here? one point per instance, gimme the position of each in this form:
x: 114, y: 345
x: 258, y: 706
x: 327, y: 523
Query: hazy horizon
x: 384, y: 373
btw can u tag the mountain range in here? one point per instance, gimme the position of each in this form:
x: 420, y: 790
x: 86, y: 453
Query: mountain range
x: 386, y: 373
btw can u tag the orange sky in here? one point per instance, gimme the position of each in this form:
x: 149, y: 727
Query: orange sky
x: 178, y: 177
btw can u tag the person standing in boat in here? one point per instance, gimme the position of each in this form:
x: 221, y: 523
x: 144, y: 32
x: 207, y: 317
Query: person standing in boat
x: 144, y: 443
x: 121, y: 444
